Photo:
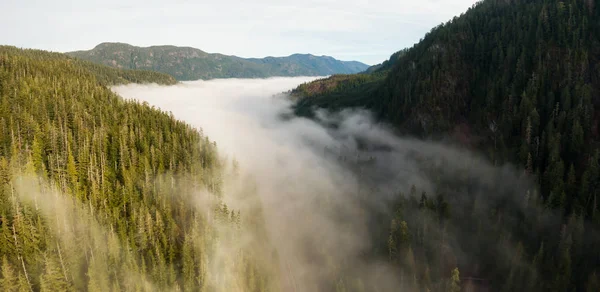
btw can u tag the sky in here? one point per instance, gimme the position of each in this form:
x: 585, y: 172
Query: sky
x: 364, y: 30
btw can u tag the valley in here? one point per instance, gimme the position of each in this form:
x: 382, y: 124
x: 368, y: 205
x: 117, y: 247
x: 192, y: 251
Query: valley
x: 469, y: 161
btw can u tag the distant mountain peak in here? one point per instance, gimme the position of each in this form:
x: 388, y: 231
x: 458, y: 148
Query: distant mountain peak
x: 187, y: 63
x: 111, y: 44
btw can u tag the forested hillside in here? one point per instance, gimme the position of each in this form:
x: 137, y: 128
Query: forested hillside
x: 519, y: 82
x: 101, y: 194
x: 344, y: 90
x: 103, y: 74
x: 111, y: 76
x: 187, y: 63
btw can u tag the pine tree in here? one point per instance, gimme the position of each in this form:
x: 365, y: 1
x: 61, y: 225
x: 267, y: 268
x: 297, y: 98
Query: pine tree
x: 454, y: 281
x: 189, y: 264
x: 97, y: 277
x: 8, y: 282
x: 38, y: 156
x: 23, y: 285
x: 53, y: 278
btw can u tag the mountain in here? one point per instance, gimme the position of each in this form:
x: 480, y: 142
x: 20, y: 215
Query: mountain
x: 185, y: 63
x: 100, y: 194
x: 519, y: 82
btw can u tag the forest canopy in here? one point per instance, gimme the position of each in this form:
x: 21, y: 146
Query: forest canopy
x: 98, y: 193
x: 519, y: 82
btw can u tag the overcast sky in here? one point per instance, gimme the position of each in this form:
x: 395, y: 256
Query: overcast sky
x: 364, y: 30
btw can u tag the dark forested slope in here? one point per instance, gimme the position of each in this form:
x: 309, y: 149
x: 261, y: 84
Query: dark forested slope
x: 95, y: 191
x: 187, y: 63
x: 344, y: 90
x: 518, y: 81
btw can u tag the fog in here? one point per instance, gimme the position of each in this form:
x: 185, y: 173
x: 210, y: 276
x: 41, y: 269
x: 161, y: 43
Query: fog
x: 323, y: 182
x: 73, y: 224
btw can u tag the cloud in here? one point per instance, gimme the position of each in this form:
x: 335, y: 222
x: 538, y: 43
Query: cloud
x: 321, y: 181
x: 76, y: 233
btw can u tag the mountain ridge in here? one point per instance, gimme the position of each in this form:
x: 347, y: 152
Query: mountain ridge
x: 188, y: 63
x: 519, y: 82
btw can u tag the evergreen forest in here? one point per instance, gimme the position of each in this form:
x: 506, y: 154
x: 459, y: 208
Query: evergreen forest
x: 98, y: 193
x: 519, y: 82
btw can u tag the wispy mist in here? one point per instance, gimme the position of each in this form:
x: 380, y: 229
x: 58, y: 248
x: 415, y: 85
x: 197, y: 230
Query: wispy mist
x: 324, y: 182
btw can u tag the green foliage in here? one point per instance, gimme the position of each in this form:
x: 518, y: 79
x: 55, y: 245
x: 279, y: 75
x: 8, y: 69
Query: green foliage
x: 8, y: 282
x: 522, y: 75
x: 53, y: 278
x: 519, y: 81
x: 192, y: 64
x: 454, y: 281
x: 103, y: 74
x: 98, y: 193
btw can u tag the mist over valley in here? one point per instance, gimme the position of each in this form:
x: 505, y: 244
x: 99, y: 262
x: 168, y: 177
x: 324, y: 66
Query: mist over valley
x: 224, y: 146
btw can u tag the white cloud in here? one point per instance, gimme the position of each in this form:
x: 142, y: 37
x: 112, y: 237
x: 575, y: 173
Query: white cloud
x: 319, y: 185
